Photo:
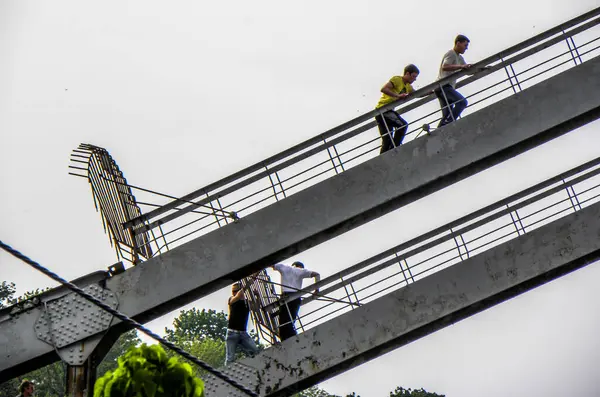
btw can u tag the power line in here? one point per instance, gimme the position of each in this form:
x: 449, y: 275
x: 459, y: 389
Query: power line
x: 126, y: 319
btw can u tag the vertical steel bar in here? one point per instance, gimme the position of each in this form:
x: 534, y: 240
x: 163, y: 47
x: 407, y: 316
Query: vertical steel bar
x: 337, y: 155
x: 331, y: 158
x: 465, y: 245
x: 513, y: 221
x: 520, y: 222
x: 402, y: 268
x: 515, y: 76
x: 569, y: 194
x: 280, y: 184
x: 299, y: 322
x: 163, y: 236
x: 214, y: 212
x: 222, y: 211
x: 355, y: 295
x: 158, y: 249
x: 347, y: 293
x: 447, y: 104
x: 409, y: 271
x: 457, y: 245
x: 576, y: 50
x: 570, y: 49
x: 387, y: 128
x: 575, y: 196
x: 509, y: 78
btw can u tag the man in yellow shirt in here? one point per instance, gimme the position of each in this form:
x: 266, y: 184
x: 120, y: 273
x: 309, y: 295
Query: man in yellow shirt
x: 390, y: 123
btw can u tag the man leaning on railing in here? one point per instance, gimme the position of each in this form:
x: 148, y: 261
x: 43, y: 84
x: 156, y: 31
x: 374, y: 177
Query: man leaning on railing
x: 390, y: 123
x: 291, y: 281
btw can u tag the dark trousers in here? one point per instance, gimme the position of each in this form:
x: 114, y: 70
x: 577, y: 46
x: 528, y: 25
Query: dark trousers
x: 452, y: 109
x: 391, y: 125
x: 288, y: 315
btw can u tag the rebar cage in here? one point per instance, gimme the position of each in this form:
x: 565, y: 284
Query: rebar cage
x: 114, y: 200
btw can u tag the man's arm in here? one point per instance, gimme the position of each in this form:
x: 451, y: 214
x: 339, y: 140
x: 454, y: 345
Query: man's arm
x: 449, y: 63
x: 239, y: 295
x: 454, y: 68
x: 277, y: 267
x: 316, y: 275
x: 387, y: 90
x: 317, y: 278
x: 423, y: 95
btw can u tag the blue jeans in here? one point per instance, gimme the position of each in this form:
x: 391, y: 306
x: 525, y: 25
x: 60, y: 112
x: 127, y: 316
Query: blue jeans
x: 235, y: 339
x: 452, y: 109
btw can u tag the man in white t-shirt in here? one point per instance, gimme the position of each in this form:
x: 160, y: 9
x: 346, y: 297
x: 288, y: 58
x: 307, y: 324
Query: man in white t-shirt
x: 451, y: 101
x: 291, y: 281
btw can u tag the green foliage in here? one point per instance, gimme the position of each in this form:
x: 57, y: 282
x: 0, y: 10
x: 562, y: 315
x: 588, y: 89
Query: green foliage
x: 198, y: 325
x: 402, y: 392
x: 210, y: 351
x: 314, y: 391
x: 7, y: 291
x: 147, y: 371
x: 123, y: 344
x: 399, y: 392
x: 9, y: 388
x: 49, y: 380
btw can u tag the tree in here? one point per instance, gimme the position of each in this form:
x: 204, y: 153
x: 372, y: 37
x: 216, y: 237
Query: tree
x: 7, y: 291
x: 148, y: 371
x: 198, y: 325
x: 209, y: 350
x: 402, y: 392
x: 49, y: 380
x: 314, y: 391
x: 123, y: 344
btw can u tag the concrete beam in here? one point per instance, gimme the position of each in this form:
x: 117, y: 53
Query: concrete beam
x: 425, y: 306
x: 361, y: 194
x: 334, y: 206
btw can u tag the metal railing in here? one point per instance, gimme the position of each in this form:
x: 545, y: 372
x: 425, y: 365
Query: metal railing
x: 452, y: 243
x: 354, y: 142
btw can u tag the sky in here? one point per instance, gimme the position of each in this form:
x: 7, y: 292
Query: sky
x: 186, y: 92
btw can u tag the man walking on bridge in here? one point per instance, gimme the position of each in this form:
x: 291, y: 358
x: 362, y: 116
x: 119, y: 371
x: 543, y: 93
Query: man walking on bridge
x: 291, y: 281
x: 390, y: 123
x: 237, y: 324
x: 451, y: 101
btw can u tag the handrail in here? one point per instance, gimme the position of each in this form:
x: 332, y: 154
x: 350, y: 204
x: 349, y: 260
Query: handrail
x: 499, y: 206
x: 434, y: 249
x: 261, y: 169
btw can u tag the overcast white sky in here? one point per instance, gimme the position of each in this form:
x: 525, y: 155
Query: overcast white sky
x: 186, y: 92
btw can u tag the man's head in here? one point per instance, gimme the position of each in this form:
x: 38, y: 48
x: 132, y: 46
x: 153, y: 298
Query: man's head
x: 235, y: 288
x: 461, y: 43
x: 299, y: 265
x: 411, y: 72
x: 26, y: 388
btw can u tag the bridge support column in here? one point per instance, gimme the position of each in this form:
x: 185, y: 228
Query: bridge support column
x: 81, y: 379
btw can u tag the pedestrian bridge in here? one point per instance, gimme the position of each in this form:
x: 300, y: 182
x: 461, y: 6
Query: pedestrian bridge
x: 187, y: 248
